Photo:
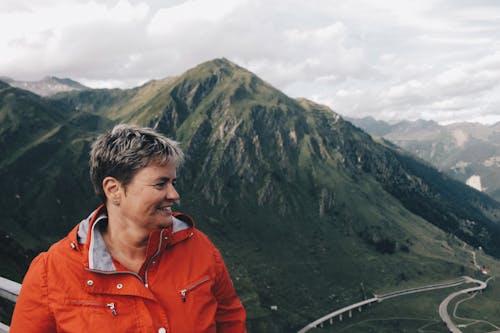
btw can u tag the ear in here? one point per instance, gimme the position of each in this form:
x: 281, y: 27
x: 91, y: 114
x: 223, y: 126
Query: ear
x: 111, y: 187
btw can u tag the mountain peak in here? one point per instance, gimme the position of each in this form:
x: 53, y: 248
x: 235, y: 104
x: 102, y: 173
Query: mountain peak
x: 219, y: 62
x: 64, y: 81
x: 49, y: 85
x: 273, y: 180
x: 3, y: 84
x: 6, y: 79
x: 220, y: 66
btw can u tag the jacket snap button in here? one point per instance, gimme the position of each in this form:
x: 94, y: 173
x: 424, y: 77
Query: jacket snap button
x: 119, y: 286
x: 162, y: 330
x: 90, y: 283
x: 73, y: 246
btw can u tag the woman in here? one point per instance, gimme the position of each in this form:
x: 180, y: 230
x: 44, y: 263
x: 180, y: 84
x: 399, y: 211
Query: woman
x: 133, y: 265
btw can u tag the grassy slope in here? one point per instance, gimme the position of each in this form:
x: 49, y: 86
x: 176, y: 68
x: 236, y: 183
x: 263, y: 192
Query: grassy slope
x: 419, y: 312
x: 276, y: 184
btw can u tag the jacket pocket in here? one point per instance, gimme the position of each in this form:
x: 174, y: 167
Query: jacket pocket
x: 193, y: 286
x: 95, y: 305
x: 98, y: 314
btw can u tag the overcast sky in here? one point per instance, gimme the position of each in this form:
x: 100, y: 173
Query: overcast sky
x: 391, y: 59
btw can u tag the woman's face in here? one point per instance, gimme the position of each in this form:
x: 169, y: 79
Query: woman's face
x: 147, y: 200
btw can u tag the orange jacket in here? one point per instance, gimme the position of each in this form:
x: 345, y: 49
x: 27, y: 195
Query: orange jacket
x: 76, y: 286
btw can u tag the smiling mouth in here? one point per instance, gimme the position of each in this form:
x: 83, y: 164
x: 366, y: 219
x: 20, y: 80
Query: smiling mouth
x: 166, y: 209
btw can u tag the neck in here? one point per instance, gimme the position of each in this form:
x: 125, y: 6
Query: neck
x: 126, y: 242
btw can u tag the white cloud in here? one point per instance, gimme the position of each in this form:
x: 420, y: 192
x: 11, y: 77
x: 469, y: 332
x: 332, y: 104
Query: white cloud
x: 333, y: 32
x: 451, y: 76
x: 465, y: 42
x: 193, y: 12
x: 57, y: 38
x: 436, y: 59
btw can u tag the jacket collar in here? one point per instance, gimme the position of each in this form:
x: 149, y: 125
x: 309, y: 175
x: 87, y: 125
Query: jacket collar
x: 98, y: 258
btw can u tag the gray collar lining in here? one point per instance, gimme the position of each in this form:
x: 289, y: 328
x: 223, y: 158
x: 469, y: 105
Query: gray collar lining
x: 99, y: 256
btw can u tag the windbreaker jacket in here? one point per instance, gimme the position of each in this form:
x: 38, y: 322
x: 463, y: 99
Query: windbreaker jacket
x: 76, y: 286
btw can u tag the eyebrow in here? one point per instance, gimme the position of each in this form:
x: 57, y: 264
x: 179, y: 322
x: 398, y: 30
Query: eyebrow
x: 164, y: 179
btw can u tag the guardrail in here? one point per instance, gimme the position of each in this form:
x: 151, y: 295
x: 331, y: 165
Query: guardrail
x: 8, y: 290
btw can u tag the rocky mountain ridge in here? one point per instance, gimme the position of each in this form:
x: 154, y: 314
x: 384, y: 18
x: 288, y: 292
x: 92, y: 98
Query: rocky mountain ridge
x: 469, y: 152
x: 47, y: 86
x: 304, y: 206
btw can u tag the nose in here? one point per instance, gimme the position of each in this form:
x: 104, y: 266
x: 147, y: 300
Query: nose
x: 172, y: 193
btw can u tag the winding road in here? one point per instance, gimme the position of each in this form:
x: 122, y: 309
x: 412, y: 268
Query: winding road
x: 443, y: 307
x: 380, y: 298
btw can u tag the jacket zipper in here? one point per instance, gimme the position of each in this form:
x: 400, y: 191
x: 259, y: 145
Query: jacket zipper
x: 145, y: 280
x: 153, y: 257
x: 158, y: 250
x: 185, y: 291
x: 111, y: 306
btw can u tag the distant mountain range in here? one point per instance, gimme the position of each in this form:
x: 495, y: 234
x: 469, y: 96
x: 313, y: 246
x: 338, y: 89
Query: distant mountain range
x: 469, y: 152
x: 48, y: 86
x: 310, y: 212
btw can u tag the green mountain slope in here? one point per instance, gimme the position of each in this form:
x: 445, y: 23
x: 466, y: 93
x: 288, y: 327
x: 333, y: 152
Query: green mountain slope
x: 25, y: 113
x: 44, y: 148
x: 309, y: 212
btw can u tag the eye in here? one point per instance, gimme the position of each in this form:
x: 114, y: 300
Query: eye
x: 160, y: 186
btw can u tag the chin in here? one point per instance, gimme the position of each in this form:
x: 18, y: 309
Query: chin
x: 166, y: 224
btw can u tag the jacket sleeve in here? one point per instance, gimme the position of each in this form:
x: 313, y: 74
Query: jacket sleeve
x: 32, y: 313
x: 230, y: 316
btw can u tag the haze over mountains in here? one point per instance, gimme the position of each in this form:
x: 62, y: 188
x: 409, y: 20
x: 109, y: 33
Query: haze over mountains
x: 469, y: 152
x: 49, y: 85
x: 305, y: 207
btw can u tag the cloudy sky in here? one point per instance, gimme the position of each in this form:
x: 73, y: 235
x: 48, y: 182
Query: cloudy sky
x: 391, y: 59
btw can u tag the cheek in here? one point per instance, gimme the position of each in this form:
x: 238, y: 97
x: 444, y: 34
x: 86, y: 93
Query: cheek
x: 137, y: 194
x: 152, y: 199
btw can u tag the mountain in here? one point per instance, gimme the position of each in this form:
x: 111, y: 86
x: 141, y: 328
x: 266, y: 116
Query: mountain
x: 469, y: 152
x: 49, y: 85
x: 310, y: 212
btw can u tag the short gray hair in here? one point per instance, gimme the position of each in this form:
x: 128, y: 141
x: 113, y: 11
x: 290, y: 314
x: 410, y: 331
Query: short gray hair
x: 126, y: 149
